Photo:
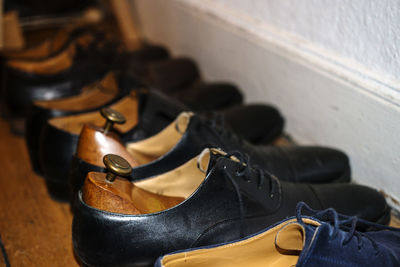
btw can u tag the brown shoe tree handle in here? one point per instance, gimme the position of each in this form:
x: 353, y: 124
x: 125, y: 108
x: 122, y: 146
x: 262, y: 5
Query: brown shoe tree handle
x: 110, y: 192
x: 94, y: 143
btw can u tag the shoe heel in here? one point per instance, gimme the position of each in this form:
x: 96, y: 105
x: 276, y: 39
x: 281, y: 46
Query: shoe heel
x: 55, y: 152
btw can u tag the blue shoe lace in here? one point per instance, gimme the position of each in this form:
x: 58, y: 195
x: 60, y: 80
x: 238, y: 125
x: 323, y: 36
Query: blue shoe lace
x: 345, y: 223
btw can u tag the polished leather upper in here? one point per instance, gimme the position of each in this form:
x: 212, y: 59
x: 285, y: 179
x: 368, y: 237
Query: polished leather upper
x: 226, y: 206
x: 295, y: 163
x: 300, y: 164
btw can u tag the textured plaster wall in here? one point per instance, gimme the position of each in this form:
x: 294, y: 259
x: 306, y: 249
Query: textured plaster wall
x: 366, y: 31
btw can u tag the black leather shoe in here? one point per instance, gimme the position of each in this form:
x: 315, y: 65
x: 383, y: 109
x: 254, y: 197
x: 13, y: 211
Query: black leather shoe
x: 25, y: 83
x: 149, y: 112
x: 101, y: 93
x: 223, y: 199
x: 61, y: 134
x: 111, y: 88
x: 190, y: 134
x: 167, y: 75
x: 180, y: 78
x: 263, y: 133
x: 210, y: 96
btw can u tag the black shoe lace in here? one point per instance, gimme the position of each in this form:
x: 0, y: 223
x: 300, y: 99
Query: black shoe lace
x: 245, y: 173
x: 342, y: 222
x: 217, y: 122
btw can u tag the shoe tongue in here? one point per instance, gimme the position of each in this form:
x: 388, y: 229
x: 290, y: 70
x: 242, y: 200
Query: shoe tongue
x: 210, y: 156
x: 208, y: 159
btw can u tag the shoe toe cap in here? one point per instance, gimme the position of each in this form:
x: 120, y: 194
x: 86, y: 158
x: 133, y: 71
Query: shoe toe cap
x: 354, y: 200
x: 259, y: 124
x: 318, y: 164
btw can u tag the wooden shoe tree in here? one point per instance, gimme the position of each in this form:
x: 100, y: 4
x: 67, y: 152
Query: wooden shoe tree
x: 128, y: 106
x: 52, y: 65
x: 110, y: 192
x: 94, y: 95
x: 93, y: 144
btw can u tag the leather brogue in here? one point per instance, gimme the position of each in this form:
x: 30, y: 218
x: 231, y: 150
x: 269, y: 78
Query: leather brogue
x: 187, y: 136
x: 223, y: 199
x: 323, y: 239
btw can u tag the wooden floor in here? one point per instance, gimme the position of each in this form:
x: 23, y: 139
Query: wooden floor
x: 35, y: 230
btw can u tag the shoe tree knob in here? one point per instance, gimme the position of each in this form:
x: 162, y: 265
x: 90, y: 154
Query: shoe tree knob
x: 112, y: 116
x: 116, y: 166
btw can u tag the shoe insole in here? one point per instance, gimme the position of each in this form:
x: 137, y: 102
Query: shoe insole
x: 73, y: 124
x: 54, y: 64
x: 266, y: 249
x: 148, y: 196
x: 93, y: 95
x: 152, y: 148
x: 93, y: 144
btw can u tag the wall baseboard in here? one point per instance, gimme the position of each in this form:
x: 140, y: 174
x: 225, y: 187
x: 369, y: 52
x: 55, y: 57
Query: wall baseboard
x: 327, y: 100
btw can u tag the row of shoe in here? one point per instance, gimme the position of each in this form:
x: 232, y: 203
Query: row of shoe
x: 129, y: 138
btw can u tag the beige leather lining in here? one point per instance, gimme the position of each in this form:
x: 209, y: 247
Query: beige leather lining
x: 92, y: 96
x: 180, y: 182
x: 128, y: 106
x: 156, y: 146
x: 258, y: 251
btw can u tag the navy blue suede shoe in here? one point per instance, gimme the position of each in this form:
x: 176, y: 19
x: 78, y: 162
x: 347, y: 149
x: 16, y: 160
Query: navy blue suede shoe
x: 325, y: 238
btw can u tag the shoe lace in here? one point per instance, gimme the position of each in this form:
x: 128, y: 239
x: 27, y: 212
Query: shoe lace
x: 245, y: 174
x: 217, y: 122
x: 342, y: 222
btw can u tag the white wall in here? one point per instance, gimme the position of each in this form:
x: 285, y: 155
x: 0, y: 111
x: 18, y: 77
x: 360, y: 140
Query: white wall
x: 330, y: 94
x: 366, y: 31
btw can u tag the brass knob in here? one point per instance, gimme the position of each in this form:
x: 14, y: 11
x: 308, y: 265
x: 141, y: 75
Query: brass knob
x: 112, y: 116
x: 117, y: 166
